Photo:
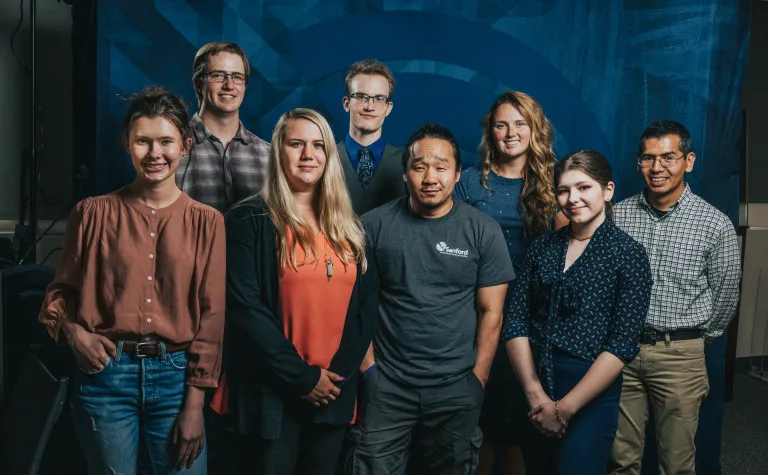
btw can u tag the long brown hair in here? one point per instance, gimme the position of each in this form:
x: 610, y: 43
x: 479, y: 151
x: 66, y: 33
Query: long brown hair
x: 538, y: 197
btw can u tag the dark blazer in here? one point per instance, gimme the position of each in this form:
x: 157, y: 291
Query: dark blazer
x: 387, y: 183
x: 265, y: 372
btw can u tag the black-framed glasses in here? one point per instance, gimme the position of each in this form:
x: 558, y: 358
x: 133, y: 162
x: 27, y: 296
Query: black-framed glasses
x: 359, y: 96
x: 221, y: 76
x: 668, y: 160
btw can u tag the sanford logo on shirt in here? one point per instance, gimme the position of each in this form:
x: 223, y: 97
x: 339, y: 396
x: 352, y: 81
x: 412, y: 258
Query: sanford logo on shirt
x: 443, y: 248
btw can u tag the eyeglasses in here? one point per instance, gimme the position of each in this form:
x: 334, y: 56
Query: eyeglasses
x: 668, y: 160
x: 359, y: 96
x: 221, y: 76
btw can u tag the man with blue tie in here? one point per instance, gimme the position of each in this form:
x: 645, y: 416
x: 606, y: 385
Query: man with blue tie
x: 372, y: 167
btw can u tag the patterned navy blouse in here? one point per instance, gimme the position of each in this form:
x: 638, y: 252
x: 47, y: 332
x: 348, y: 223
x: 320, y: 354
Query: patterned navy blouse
x: 599, y: 304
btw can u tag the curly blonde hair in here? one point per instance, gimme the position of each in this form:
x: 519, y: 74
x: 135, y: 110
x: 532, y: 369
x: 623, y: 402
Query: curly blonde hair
x: 538, y: 196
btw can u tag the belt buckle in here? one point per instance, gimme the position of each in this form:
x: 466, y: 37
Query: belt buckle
x: 141, y: 344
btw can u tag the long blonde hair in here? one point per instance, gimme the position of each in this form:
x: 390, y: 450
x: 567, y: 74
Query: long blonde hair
x: 538, y: 196
x: 337, y: 219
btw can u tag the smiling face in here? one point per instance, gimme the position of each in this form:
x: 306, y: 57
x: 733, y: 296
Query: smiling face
x: 582, y: 199
x: 661, y: 181
x: 155, y: 146
x: 302, y: 155
x: 367, y: 117
x: 223, y: 97
x: 431, y: 176
x: 512, y: 133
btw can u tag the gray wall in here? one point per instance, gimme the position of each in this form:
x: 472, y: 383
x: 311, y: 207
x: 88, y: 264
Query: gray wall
x: 755, y: 102
x: 54, y: 83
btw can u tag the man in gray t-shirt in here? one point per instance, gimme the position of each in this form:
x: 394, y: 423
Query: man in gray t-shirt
x: 443, y: 270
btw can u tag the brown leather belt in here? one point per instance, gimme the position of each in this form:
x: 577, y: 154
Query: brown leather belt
x: 150, y: 348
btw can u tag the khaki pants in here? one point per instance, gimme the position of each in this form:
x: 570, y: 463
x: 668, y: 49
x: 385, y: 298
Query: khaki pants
x: 671, y: 376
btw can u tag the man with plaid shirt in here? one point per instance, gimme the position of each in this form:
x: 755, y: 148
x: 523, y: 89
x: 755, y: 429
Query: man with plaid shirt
x: 696, y: 270
x: 226, y: 163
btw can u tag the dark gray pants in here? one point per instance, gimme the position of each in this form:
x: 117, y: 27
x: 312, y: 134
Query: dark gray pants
x: 429, y: 430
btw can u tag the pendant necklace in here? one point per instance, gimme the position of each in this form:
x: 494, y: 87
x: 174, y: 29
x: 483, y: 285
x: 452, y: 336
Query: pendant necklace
x: 328, y: 261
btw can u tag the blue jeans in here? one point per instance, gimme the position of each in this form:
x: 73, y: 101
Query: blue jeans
x: 132, y: 397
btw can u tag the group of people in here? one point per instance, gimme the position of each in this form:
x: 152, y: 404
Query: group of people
x: 354, y: 308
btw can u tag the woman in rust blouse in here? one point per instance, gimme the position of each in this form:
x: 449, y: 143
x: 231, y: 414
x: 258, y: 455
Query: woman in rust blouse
x: 139, y: 296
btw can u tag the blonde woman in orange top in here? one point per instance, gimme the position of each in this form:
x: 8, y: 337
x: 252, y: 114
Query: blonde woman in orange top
x: 302, y: 305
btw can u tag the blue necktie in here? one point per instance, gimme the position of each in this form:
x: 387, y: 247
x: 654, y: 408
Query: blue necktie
x: 365, y: 166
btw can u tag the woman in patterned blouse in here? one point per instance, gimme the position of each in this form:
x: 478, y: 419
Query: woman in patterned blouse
x: 574, y: 321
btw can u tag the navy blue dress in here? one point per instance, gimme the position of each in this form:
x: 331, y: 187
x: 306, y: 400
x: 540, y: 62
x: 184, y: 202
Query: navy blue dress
x: 598, y: 305
x: 503, y: 418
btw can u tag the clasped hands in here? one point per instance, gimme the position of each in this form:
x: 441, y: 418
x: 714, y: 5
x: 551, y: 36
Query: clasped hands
x: 326, y: 390
x: 545, y: 419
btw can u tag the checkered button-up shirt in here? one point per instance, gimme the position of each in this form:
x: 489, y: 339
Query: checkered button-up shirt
x: 695, y: 262
x: 221, y: 177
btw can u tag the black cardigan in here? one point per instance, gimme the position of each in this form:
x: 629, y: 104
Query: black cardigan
x: 265, y: 372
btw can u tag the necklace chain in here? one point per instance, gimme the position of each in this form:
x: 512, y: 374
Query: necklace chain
x: 580, y: 238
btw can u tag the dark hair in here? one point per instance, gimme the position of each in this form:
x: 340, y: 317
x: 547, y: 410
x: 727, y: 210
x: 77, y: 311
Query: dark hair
x: 203, y: 57
x: 371, y: 67
x: 593, y: 164
x: 153, y: 102
x: 537, y: 198
x: 661, y: 128
x: 431, y: 130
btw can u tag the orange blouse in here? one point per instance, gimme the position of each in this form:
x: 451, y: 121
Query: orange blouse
x: 314, y: 306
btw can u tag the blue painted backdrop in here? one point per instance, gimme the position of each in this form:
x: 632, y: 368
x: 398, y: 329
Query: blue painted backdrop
x: 601, y: 69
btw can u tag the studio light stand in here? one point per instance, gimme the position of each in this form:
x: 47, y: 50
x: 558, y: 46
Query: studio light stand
x: 26, y: 228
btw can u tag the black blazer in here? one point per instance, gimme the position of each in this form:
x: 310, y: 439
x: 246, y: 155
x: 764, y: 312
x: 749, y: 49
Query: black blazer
x: 265, y: 372
x: 387, y: 183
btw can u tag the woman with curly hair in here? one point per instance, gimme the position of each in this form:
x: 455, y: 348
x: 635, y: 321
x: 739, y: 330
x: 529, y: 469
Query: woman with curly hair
x: 514, y: 184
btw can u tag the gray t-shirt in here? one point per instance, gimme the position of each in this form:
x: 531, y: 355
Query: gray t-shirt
x: 429, y: 271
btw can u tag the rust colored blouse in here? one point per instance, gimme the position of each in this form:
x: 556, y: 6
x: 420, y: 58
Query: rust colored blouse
x: 135, y: 273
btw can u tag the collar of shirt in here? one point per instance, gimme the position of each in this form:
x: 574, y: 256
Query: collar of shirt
x: 201, y: 132
x: 685, y: 197
x: 377, y: 148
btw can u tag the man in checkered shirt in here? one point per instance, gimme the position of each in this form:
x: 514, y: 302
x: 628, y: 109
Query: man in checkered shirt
x: 227, y: 163
x: 696, y: 270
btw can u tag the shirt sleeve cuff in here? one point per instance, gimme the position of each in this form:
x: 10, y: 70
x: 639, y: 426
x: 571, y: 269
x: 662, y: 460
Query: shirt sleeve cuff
x: 514, y: 331
x: 309, y: 380
x: 626, y: 357
x: 54, y: 326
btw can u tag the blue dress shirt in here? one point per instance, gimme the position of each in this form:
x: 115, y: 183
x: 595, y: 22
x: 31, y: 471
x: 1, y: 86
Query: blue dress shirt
x: 377, y: 148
